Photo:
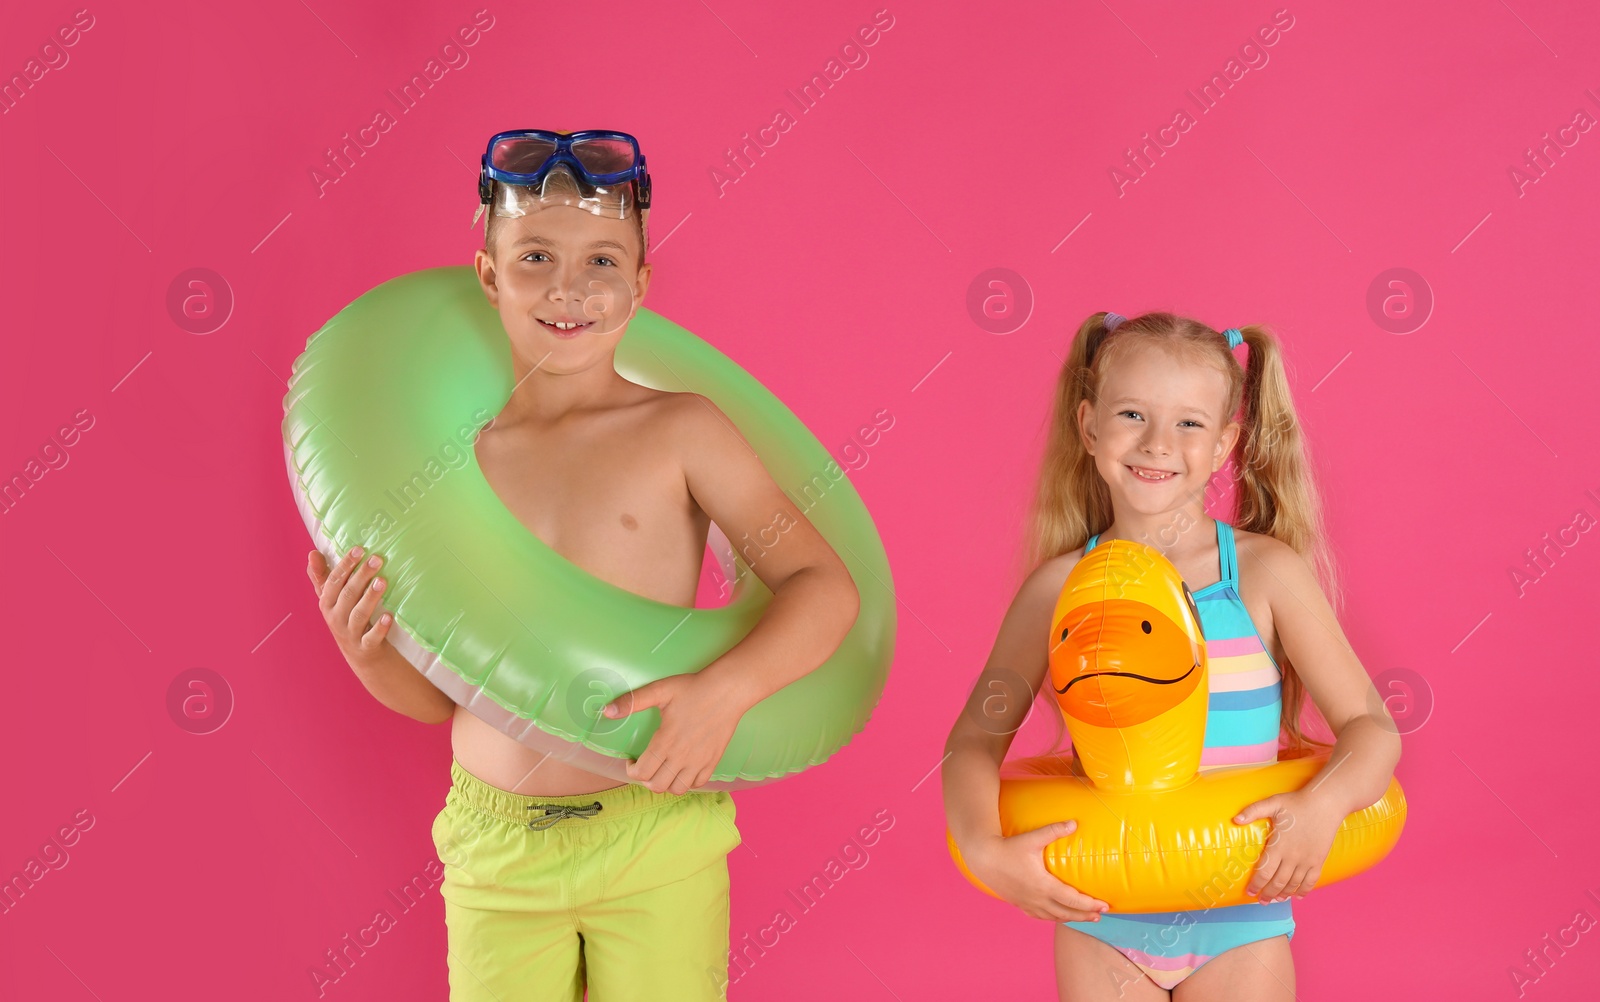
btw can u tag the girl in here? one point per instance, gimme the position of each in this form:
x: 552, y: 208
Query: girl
x: 1146, y: 411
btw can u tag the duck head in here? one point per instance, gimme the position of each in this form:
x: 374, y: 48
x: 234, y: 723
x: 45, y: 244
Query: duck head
x: 1128, y: 665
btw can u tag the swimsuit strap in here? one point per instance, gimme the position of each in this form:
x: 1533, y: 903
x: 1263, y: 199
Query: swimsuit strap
x: 1090, y: 544
x: 1227, y: 554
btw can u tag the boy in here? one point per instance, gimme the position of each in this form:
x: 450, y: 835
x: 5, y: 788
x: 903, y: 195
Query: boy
x: 623, y: 888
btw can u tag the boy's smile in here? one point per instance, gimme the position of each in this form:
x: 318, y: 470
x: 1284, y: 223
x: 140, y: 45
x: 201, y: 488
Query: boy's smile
x: 567, y: 328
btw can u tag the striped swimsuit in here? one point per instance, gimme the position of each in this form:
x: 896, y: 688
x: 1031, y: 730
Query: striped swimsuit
x: 1242, y: 723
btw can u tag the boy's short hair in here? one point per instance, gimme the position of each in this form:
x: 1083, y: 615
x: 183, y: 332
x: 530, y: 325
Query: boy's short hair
x: 491, y: 232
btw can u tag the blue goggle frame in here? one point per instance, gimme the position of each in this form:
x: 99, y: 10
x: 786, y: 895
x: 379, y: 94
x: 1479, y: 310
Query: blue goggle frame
x: 488, y: 173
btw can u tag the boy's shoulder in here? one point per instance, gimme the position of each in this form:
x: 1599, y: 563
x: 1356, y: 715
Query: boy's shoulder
x: 686, y: 429
x: 662, y: 408
x: 686, y: 416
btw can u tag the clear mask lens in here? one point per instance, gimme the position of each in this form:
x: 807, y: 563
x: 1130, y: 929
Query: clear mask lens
x: 561, y: 186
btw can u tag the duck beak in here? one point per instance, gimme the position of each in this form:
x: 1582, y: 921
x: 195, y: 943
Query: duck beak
x: 1120, y: 663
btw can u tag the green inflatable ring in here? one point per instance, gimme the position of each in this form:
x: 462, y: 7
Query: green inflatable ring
x: 382, y: 410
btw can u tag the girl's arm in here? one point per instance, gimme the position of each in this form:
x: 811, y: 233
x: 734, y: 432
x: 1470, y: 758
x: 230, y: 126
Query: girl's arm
x: 1368, y: 742
x: 1013, y: 868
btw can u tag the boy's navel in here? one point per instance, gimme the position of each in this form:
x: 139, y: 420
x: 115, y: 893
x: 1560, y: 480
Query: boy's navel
x: 629, y: 522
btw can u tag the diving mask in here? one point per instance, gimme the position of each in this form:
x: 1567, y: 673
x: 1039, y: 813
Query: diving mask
x: 598, y: 171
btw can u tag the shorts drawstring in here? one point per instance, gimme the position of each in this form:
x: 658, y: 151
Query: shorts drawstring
x: 620, y: 803
x: 555, y: 812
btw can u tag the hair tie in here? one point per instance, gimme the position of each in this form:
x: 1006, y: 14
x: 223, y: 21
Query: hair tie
x: 1113, y: 321
x: 1235, y: 339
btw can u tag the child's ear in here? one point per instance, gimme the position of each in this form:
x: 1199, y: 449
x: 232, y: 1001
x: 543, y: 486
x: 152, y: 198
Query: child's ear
x: 483, y: 264
x: 1230, y: 436
x: 642, y: 283
x: 1086, y: 425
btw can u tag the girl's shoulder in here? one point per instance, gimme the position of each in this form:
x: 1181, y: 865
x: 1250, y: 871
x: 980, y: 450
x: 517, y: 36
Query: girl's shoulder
x: 1043, y: 585
x: 1261, y: 546
x: 1057, y: 568
x: 1265, y: 562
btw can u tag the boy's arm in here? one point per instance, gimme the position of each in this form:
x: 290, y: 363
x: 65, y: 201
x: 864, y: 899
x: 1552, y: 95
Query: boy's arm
x: 814, y: 602
x: 397, y: 684
x: 814, y: 605
x: 347, y: 595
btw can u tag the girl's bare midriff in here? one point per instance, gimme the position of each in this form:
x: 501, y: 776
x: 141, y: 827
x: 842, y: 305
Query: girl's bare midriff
x: 605, y: 490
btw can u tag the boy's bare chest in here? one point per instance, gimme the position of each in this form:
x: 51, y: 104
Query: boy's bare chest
x: 611, y: 500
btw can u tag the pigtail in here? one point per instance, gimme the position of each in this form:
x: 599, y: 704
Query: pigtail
x: 1277, y: 493
x: 1071, y: 502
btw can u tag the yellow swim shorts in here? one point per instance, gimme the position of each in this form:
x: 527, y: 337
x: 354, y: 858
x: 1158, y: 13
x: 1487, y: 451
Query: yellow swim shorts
x: 624, y: 891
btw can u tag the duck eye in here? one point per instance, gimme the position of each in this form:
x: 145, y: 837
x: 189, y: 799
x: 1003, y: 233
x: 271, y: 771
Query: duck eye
x: 1063, y: 633
x: 1145, y: 625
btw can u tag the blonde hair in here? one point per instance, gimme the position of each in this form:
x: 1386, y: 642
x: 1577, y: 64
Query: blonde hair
x: 1276, y: 493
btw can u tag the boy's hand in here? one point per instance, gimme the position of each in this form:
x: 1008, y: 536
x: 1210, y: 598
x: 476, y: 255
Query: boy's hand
x: 347, y: 602
x: 1303, y: 828
x: 699, y: 714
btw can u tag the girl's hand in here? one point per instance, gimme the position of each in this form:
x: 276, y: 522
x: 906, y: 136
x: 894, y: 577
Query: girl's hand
x: 698, y: 718
x: 1014, y: 869
x: 347, y: 602
x: 1302, y: 833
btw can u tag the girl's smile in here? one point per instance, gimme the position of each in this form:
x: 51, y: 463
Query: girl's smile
x: 1150, y: 475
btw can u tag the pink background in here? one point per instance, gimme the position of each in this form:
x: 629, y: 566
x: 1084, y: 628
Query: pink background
x: 1377, y: 136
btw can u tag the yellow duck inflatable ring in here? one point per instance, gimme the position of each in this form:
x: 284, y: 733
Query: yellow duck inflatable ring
x: 1155, y: 833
